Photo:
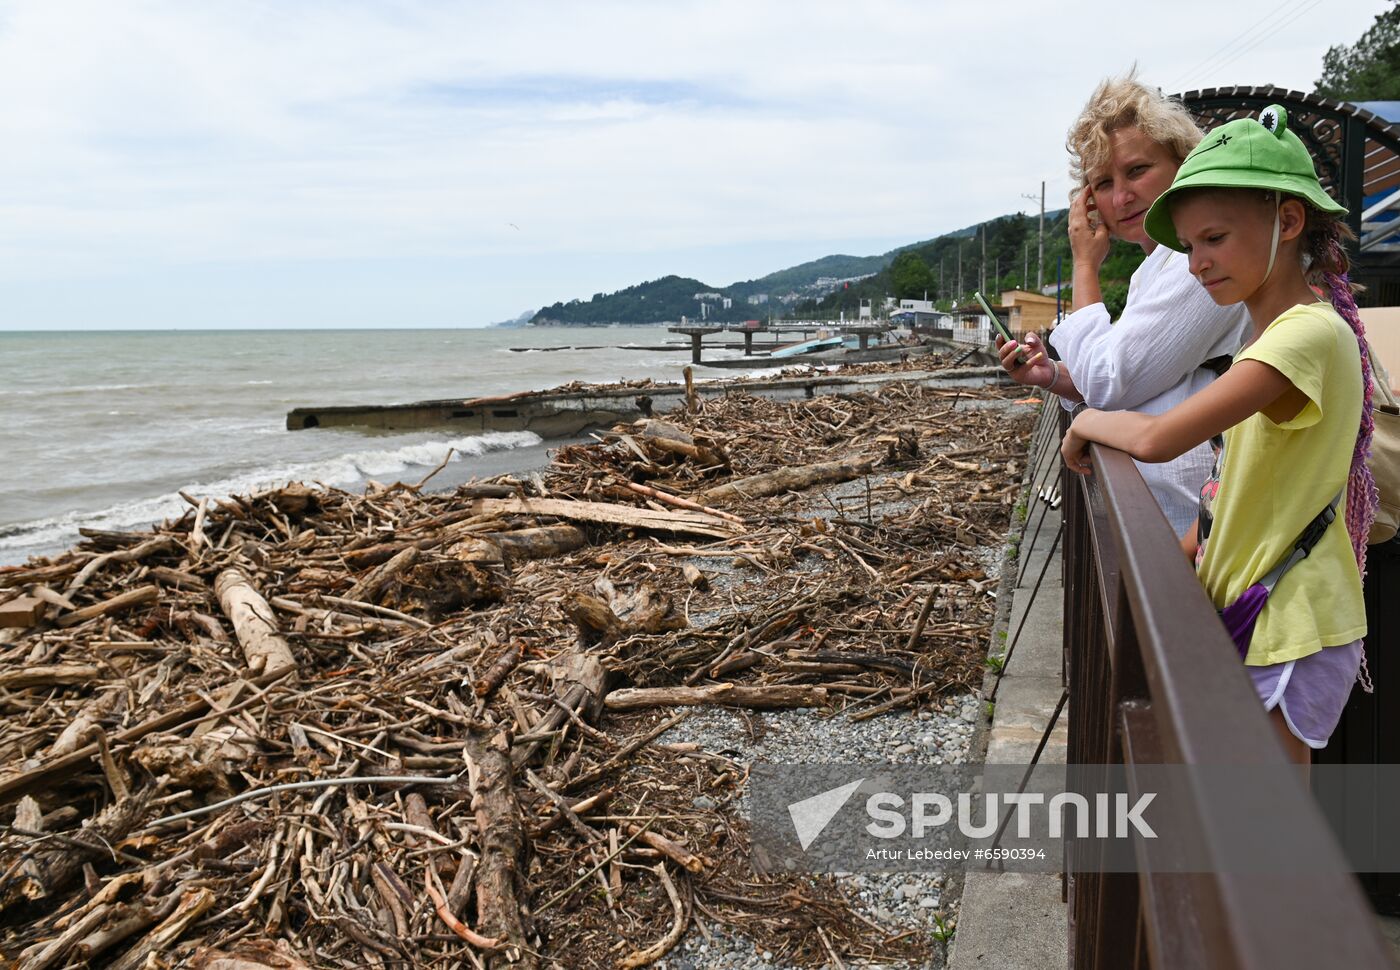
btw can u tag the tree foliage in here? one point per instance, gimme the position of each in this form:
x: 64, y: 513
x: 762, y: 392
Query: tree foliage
x: 911, y: 277
x: 1368, y: 70
x: 668, y: 298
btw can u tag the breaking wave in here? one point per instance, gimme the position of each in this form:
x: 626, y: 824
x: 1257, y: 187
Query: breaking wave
x: 347, y: 469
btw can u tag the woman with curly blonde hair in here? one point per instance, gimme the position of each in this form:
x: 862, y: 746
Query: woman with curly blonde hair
x: 1125, y: 149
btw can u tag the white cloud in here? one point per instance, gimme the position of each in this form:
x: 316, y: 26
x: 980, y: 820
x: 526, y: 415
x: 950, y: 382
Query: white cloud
x: 157, y: 137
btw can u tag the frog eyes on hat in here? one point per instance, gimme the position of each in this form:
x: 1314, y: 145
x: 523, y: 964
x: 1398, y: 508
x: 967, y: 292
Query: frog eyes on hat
x: 1274, y: 119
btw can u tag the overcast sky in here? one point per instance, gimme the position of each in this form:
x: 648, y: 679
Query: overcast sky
x: 202, y: 164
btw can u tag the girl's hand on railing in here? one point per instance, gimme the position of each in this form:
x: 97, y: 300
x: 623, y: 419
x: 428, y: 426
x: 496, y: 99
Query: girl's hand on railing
x: 1074, y: 448
x: 1037, y: 369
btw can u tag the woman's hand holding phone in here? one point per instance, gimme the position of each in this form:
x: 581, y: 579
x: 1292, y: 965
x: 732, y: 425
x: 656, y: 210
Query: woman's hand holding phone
x: 1026, y: 361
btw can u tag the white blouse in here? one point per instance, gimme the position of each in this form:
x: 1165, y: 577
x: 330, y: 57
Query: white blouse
x: 1150, y: 361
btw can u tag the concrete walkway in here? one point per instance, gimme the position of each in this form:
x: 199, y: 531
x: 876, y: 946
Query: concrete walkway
x: 1010, y: 920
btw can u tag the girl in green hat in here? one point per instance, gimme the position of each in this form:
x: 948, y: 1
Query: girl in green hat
x: 1295, y: 415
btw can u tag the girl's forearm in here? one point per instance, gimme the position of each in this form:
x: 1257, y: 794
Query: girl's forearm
x: 1126, y: 431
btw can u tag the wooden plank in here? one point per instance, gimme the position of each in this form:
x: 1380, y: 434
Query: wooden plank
x: 764, y: 696
x: 694, y: 523
x: 22, y: 611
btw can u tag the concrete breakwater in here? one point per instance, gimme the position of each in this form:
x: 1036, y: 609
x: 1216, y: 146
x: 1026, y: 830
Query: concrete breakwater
x: 569, y: 411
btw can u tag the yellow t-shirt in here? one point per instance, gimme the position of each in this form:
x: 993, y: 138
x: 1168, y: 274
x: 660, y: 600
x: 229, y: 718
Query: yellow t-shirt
x: 1274, y: 478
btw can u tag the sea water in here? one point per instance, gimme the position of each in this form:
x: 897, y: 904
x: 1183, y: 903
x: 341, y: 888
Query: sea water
x: 103, y: 429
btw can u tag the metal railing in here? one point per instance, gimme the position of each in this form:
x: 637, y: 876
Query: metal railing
x: 1153, y: 678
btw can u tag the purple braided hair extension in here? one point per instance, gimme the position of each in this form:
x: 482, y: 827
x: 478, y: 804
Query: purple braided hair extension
x: 1362, y: 496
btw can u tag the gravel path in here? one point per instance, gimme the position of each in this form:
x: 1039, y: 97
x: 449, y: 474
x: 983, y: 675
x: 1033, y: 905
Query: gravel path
x: 952, y: 731
x: 945, y: 734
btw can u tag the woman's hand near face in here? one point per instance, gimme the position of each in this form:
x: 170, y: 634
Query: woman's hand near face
x: 1088, y: 236
x: 1088, y: 242
x: 1037, y: 371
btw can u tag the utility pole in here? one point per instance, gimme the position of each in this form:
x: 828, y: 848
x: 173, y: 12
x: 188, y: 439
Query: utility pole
x: 960, y: 289
x: 1025, y: 263
x: 996, y: 280
x: 982, y: 269
x: 1040, y: 251
x: 1040, y: 247
x: 941, y: 290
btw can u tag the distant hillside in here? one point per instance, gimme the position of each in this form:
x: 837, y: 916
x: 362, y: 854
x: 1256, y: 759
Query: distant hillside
x: 948, y: 268
x: 808, y: 274
x: 656, y: 301
x: 837, y: 284
x: 519, y: 321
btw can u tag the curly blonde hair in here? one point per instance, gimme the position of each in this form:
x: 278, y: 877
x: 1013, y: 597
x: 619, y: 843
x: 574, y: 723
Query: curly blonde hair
x: 1120, y: 102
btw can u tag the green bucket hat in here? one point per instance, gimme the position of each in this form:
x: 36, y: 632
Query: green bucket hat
x: 1244, y: 154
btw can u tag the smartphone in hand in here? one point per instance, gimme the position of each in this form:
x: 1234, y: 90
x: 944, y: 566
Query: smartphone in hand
x: 996, y: 320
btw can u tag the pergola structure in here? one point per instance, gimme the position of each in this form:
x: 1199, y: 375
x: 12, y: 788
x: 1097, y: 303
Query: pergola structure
x: 1358, y: 159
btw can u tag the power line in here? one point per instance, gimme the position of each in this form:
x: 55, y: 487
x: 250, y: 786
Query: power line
x: 1242, y: 37
x: 1237, y: 39
x: 1265, y: 37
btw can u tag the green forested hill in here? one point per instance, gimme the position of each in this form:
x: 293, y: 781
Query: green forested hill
x: 657, y: 301
x: 836, y: 284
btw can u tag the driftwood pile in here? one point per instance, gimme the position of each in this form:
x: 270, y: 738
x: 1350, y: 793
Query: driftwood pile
x: 310, y: 728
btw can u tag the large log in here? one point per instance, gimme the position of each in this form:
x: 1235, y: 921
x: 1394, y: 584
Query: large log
x: 596, y: 622
x: 541, y: 543
x: 500, y: 875
x: 52, y: 675
x: 668, y: 438
x: 692, y: 523
x: 791, y: 479
x: 372, y: 583
x: 521, y: 545
x: 720, y: 695
x: 254, y: 623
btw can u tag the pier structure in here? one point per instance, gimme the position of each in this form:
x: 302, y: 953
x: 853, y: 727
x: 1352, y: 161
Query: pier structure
x: 697, y: 332
x: 561, y: 414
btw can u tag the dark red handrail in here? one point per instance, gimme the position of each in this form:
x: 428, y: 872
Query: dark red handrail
x: 1154, y: 679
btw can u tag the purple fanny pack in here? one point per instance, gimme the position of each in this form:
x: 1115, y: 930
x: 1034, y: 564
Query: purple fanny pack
x: 1240, y: 616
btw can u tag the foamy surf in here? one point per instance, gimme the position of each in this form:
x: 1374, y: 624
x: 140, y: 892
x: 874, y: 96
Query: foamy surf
x: 351, y: 468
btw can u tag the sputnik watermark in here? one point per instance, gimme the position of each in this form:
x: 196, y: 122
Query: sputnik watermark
x: 932, y: 810
x: 887, y: 817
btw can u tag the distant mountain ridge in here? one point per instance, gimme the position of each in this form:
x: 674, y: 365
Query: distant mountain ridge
x: 671, y: 298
